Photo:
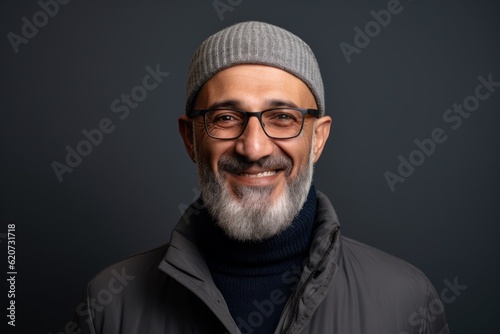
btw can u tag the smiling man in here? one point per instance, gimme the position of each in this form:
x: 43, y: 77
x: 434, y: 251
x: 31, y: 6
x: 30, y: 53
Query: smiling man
x: 260, y: 251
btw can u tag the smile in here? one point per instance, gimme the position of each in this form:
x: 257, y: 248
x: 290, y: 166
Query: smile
x: 255, y: 177
x: 263, y: 174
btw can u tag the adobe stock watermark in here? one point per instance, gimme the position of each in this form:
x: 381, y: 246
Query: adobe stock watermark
x: 373, y: 28
x: 425, y: 316
x: 452, y: 117
x: 223, y: 6
x: 121, y: 107
x: 30, y: 28
x: 118, y: 282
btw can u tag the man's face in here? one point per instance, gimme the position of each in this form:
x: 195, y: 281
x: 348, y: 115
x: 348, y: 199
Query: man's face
x: 255, y: 171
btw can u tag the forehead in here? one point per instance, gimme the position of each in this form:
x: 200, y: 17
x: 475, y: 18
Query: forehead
x: 254, y: 86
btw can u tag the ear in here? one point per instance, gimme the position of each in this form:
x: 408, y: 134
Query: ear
x: 321, y: 132
x: 186, y: 131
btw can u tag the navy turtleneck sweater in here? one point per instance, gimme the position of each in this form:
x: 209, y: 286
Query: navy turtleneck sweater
x: 256, y: 278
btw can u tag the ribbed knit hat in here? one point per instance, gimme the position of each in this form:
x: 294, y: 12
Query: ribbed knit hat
x: 254, y: 43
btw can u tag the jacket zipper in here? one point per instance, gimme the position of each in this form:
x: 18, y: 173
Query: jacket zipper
x: 333, y: 238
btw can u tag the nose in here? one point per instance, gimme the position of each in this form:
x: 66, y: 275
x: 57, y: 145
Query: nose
x: 254, y: 143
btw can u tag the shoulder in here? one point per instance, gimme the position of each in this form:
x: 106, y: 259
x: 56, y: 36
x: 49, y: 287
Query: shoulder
x: 138, y: 267
x: 120, y: 290
x: 392, y: 286
x: 140, y: 261
x: 378, y: 267
x: 395, y: 290
x: 372, y: 257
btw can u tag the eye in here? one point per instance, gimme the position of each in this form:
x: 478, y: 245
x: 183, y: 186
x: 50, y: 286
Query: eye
x: 284, y: 116
x: 224, y: 118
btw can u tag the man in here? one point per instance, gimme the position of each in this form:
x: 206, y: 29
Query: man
x: 260, y: 251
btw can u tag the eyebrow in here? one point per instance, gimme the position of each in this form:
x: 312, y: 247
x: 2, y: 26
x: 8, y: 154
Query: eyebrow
x: 236, y: 104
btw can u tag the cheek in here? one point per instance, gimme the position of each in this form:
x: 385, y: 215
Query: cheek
x: 298, y: 152
x: 210, y: 152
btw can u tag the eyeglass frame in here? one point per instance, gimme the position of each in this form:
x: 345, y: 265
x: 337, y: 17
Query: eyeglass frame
x: 202, y: 112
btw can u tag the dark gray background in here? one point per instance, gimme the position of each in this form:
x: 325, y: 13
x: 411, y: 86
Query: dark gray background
x: 125, y: 196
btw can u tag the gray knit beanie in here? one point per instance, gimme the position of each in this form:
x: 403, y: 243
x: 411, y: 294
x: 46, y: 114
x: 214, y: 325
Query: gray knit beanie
x: 254, y: 43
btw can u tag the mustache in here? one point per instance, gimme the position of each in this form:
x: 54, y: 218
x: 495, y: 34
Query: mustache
x: 237, y: 163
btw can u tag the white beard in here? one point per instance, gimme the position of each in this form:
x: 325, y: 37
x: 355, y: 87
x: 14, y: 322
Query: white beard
x: 255, y: 215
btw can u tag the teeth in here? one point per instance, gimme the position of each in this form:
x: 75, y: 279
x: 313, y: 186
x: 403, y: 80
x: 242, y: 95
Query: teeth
x: 263, y: 174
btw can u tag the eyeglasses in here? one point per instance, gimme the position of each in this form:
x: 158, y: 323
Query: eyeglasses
x: 277, y: 123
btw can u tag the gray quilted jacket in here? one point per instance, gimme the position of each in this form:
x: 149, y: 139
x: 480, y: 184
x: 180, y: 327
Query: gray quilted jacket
x: 345, y: 287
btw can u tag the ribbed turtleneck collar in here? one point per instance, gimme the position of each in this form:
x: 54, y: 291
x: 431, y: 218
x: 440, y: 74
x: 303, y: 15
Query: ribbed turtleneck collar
x: 268, y: 257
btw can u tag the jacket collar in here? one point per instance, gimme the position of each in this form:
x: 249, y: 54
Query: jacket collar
x: 184, y: 263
